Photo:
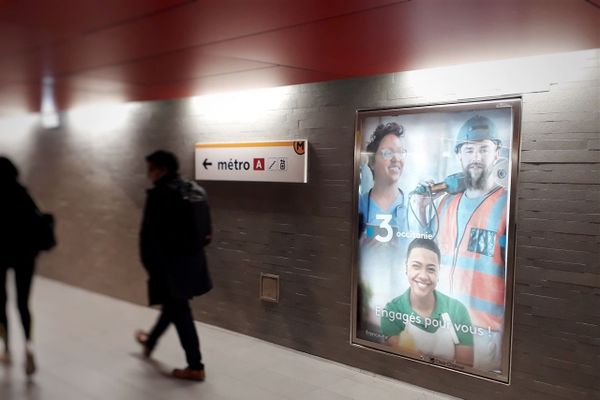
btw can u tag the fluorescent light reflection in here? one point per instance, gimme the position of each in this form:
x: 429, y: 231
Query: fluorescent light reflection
x: 50, y: 117
x: 101, y: 118
x: 519, y: 75
x: 17, y: 126
x: 18, y: 137
x: 243, y: 106
x: 50, y: 120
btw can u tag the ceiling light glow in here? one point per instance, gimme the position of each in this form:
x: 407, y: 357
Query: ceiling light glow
x: 101, y: 118
x: 243, y: 106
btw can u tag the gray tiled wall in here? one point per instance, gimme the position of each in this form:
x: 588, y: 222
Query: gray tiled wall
x: 95, y: 183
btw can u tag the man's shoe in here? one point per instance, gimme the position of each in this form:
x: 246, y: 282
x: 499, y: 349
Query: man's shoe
x: 142, y: 338
x: 189, y: 374
x: 5, y: 358
x: 29, y: 364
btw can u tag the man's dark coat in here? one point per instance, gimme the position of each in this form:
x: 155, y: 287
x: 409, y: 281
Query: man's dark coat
x: 175, y: 228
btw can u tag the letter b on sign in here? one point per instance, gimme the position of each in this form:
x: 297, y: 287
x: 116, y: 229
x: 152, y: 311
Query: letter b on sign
x: 259, y: 164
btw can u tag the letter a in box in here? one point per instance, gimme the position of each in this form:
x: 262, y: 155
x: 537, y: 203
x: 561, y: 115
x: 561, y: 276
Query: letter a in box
x: 259, y: 164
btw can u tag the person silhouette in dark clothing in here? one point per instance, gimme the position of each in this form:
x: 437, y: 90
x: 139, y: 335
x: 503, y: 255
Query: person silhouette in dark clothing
x: 18, y: 251
x: 175, y: 228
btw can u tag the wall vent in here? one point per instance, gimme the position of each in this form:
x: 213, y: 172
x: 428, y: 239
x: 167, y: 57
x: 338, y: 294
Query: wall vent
x: 269, y: 287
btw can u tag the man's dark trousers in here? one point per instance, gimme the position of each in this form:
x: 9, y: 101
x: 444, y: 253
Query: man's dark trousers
x: 178, y: 312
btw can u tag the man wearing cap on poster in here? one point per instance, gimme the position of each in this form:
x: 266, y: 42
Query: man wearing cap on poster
x: 472, y: 238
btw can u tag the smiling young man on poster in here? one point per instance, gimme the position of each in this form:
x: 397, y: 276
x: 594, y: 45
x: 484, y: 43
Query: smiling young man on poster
x: 424, y: 321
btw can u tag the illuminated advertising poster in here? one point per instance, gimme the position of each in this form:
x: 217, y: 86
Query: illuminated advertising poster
x: 434, y: 263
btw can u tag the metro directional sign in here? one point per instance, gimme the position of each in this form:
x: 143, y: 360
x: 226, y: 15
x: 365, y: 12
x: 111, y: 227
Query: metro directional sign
x: 276, y: 161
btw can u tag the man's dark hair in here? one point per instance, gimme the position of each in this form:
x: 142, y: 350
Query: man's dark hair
x: 382, y: 131
x: 8, y: 171
x: 424, y: 244
x: 164, y: 159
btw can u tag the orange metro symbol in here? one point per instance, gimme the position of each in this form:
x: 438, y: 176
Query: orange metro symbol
x: 299, y: 147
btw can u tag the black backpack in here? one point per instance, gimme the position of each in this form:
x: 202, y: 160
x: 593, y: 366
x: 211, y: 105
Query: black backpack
x: 195, y: 212
x: 44, y: 231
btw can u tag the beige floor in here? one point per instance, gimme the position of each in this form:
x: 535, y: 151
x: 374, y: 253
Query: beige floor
x: 85, y: 351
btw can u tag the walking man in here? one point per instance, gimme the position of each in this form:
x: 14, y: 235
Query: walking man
x: 175, y: 228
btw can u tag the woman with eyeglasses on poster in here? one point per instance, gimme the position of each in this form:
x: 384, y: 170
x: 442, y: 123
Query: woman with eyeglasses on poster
x: 386, y: 151
x: 382, y: 217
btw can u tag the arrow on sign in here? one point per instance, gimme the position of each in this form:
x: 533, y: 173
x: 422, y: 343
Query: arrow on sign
x: 205, y: 163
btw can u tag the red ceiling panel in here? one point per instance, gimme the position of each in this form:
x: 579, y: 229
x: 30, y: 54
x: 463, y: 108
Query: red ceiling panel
x: 31, y: 30
x: 160, y: 49
x: 63, y: 17
x: 76, y: 91
x: 15, y: 38
x: 195, y: 24
x: 173, y: 67
x: 17, y: 98
x: 423, y: 33
x: 185, y: 26
x: 267, y: 77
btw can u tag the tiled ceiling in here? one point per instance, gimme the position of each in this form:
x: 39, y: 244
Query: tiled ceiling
x: 125, y: 50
